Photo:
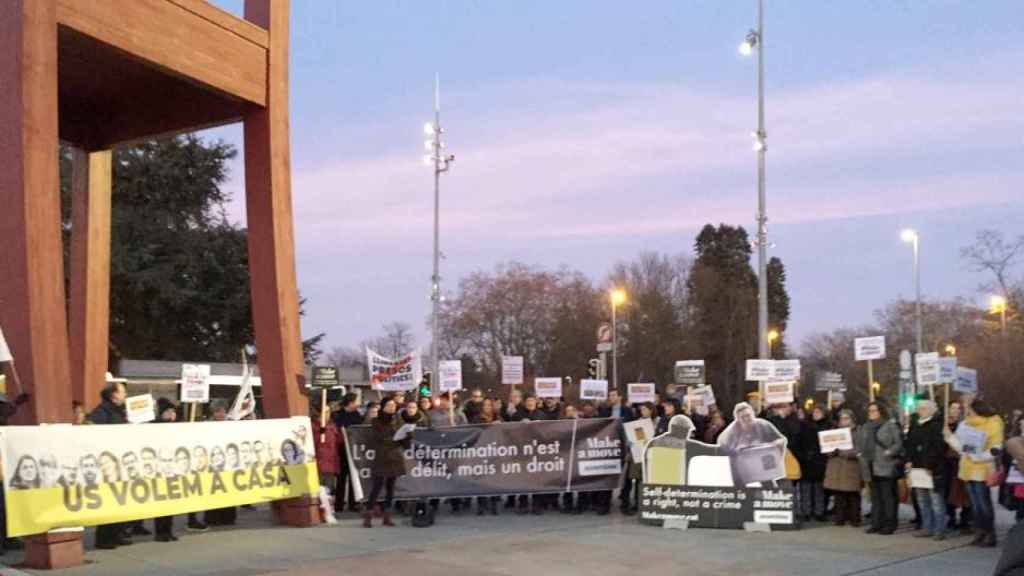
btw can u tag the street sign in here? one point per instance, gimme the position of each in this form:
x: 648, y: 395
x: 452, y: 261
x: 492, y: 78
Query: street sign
x: 512, y: 370
x: 927, y: 365
x: 604, y: 332
x: 690, y: 372
x: 604, y: 347
x: 870, y: 348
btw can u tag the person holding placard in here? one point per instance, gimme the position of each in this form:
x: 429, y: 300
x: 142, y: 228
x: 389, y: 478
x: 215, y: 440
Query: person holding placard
x: 881, y: 442
x: 616, y: 408
x: 812, y: 466
x: 925, y: 448
x: 388, y: 463
x: 977, y: 465
x: 843, y: 476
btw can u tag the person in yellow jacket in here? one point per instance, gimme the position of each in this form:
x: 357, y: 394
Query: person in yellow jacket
x: 975, y: 438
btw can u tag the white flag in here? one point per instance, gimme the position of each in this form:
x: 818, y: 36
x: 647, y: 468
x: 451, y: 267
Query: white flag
x: 245, y: 402
x: 5, y: 352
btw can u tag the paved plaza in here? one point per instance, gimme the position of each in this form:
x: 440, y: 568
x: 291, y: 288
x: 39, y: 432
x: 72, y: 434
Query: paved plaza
x: 553, y: 544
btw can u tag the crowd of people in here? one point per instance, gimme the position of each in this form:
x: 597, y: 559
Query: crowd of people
x: 888, y: 449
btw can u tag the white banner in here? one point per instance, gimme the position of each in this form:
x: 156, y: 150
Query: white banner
x: 512, y: 370
x: 394, y: 375
x: 195, y: 383
x: 547, y: 387
x: 5, y: 352
x: 62, y: 476
x: 638, y: 393
x: 947, y: 370
x: 927, y: 367
x: 870, y: 348
x: 140, y: 408
x: 832, y: 440
x: 451, y: 375
x: 593, y: 389
x: 778, y: 392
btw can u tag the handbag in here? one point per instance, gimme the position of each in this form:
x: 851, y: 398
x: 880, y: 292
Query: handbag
x: 995, y: 477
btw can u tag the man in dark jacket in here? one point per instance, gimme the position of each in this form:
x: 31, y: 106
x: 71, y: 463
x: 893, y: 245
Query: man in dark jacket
x: 111, y: 411
x: 7, y: 410
x: 616, y: 408
x: 348, y: 416
x: 925, y: 448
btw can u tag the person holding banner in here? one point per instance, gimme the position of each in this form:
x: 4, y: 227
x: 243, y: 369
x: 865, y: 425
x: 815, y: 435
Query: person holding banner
x: 977, y: 466
x: 616, y: 408
x: 111, y: 410
x: 926, y: 447
x: 7, y: 410
x: 348, y: 416
x: 388, y: 463
x: 843, y: 476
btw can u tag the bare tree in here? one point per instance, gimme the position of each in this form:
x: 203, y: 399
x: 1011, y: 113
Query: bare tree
x: 396, y: 341
x: 992, y: 254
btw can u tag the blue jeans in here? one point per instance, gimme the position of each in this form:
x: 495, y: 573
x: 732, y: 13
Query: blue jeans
x: 981, y: 505
x: 933, y: 510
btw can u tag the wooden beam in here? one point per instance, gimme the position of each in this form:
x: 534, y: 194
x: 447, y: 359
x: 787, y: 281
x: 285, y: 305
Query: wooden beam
x: 226, y: 20
x: 275, y: 297
x: 90, y: 272
x: 175, y: 39
x: 32, y: 304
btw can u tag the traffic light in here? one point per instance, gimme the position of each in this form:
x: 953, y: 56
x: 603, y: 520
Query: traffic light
x: 593, y: 367
x: 909, y: 403
x: 425, y: 383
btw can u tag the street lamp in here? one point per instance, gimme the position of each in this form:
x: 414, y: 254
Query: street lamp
x: 950, y: 349
x: 618, y: 298
x: 773, y: 335
x: 755, y: 39
x: 997, y: 305
x: 909, y: 235
x: 442, y: 162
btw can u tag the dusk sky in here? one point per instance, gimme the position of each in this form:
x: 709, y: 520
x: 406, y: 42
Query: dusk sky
x: 586, y: 132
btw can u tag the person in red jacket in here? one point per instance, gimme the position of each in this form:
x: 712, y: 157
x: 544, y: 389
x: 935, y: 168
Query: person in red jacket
x: 325, y: 440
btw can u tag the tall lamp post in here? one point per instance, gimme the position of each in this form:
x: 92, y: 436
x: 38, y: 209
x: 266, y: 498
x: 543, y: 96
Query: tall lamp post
x: 441, y: 162
x: 618, y: 297
x: 755, y: 39
x: 911, y: 236
x: 998, y: 306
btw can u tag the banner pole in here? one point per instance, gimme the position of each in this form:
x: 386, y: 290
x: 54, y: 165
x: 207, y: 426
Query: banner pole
x: 191, y: 411
x: 323, y: 413
x: 871, y: 380
x: 451, y: 408
x: 945, y: 399
x: 829, y: 401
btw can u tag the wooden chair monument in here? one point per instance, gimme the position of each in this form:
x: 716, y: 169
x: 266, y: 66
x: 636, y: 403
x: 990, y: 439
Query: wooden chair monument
x: 97, y: 74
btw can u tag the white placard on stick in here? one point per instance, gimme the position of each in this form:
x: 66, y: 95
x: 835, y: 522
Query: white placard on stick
x: 640, y: 393
x: 927, y: 367
x: 778, y: 392
x: 972, y: 442
x: 947, y: 370
x: 787, y: 370
x: 699, y: 399
x: 921, y: 478
x: 195, y: 383
x: 870, y: 348
x: 638, y: 434
x: 966, y: 381
x: 451, y: 375
x: 593, y: 389
x: 758, y: 370
x: 832, y: 440
x: 547, y: 387
x: 5, y: 352
x: 140, y: 408
x: 512, y: 370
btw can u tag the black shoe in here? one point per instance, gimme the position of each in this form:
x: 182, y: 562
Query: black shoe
x: 12, y: 544
x: 886, y: 532
x: 123, y: 540
x: 165, y: 538
x: 626, y: 511
x: 821, y: 518
x: 871, y: 530
x: 194, y: 525
x: 480, y: 510
x: 140, y: 530
x: 603, y: 511
x: 106, y: 545
x: 567, y: 510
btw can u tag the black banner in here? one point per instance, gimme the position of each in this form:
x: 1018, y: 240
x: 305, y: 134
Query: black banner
x: 506, y: 458
x: 711, y: 507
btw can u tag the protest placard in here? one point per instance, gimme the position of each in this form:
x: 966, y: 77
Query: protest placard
x: 870, y: 348
x: 832, y: 440
x: 451, y: 375
x: 966, y: 380
x: 547, y: 387
x: 140, y: 408
x: 829, y: 382
x: 778, y: 392
x: 947, y: 370
x: 690, y: 372
x: 758, y: 370
x: 638, y: 393
x: 638, y: 433
x: 972, y: 442
x: 699, y: 399
x: 325, y: 377
x: 787, y: 370
x: 927, y: 365
x: 593, y: 389
x: 512, y: 370
x: 394, y: 374
x: 195, y: 383
x: 921, y: 478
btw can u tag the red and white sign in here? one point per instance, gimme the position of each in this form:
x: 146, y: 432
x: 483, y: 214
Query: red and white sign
x: 640, y: 393
x: 604, y: 332
x: 547, y: 387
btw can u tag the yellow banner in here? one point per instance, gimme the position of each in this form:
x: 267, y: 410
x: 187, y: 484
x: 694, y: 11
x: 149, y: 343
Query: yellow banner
x: 34, y: 511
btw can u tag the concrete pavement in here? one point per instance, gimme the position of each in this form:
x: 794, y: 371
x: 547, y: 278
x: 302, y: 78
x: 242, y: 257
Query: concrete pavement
x: 553, y: 544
